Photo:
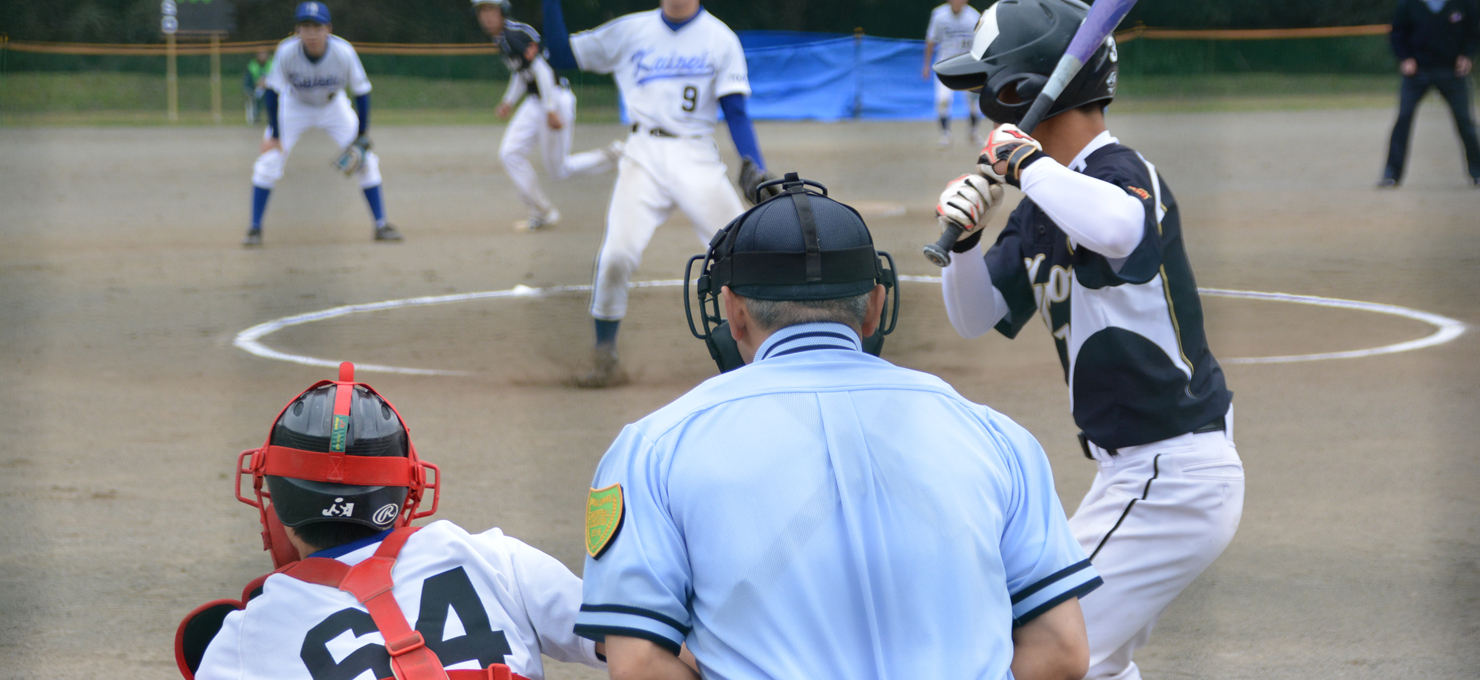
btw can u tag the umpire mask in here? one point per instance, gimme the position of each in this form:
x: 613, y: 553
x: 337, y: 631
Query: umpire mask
x: 799, y: 245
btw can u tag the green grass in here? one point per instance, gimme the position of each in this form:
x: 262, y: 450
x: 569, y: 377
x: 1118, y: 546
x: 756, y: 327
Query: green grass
x: 98, y: 98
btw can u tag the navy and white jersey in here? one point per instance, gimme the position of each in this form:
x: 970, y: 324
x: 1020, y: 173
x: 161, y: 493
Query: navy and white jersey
x: 1129, y: 332
x: 477, y: 598
x: 315, y: 82
x: 670, y: 78
x: 526, y: 76
x: 822, y: 513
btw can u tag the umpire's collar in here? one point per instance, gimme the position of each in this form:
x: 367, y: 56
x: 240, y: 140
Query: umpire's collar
x: 808, y: 337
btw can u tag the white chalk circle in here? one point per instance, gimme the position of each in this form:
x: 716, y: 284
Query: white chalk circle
x: 250, y: 340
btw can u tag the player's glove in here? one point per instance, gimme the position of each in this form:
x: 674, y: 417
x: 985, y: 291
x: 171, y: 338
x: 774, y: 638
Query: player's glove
x: 1007, y: 144
x: 968, y: 202
x: 353, y: 158
x: 751, y: 177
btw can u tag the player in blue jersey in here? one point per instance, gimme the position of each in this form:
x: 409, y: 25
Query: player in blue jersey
x: 818, y: 512
x: 1095, y: 250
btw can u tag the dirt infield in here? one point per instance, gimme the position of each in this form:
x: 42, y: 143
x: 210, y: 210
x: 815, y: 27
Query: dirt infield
x: 124, y: 402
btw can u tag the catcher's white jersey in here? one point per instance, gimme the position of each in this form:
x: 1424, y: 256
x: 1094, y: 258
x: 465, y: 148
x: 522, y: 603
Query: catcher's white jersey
x: 951, y: 32
x: 486, y: 598
x: 316, y: 82
x: 669, y: 79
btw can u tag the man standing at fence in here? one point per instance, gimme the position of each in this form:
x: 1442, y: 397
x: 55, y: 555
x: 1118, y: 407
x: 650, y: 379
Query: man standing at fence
x: 1435, y: 42
x: 255, y: 83
x: 951, y: 28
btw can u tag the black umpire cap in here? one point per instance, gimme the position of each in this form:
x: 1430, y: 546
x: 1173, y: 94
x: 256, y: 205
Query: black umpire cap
x: 800, y: 245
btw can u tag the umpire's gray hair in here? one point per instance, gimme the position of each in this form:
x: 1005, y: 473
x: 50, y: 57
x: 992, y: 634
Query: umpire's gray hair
x: 772, y: 315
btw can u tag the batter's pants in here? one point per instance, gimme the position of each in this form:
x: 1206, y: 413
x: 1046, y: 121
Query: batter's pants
x: 1456, y: 91
x: 530, y: 128
x: 656, y: 175
x: 945, y: 96
x: 1156, y: 516
x: 296, y: 118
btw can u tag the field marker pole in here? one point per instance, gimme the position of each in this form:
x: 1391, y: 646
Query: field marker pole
x: 857, y: 71
x: 216, y: 78
x: 171, y: 79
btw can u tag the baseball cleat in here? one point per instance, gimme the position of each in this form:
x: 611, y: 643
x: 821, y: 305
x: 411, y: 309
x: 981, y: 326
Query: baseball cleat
x: 1387, y: 183
x: 387, y: 232
x: 976, y: 139
x: 607, y: 372
x: 253, y: 239
x: 945, y: 141
x: 538, y: 222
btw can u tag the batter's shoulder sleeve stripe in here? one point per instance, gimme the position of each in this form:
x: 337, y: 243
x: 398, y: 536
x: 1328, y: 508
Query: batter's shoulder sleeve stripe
x: 636, y: 611
x: 599, y: 633
x: 1071, y: 581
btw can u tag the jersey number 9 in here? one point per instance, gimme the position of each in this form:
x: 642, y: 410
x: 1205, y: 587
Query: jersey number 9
x: 690, y: 98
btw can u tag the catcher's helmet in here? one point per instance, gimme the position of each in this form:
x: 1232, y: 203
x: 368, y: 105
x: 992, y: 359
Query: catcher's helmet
x: 798, y: 245
x: 1016, y: 47
x: 339, y: 452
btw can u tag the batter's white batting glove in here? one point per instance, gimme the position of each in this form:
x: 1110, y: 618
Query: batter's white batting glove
x: 1007, y: 153
x: 968, y: 202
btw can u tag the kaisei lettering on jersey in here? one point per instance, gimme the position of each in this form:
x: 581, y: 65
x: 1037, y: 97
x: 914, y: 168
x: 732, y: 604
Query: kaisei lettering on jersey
x: 648, y: 67
x: 1129, y: 332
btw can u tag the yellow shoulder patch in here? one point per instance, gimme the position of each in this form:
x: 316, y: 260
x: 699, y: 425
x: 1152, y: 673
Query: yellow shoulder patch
x: 604, y: 512
x: 1140, y: 192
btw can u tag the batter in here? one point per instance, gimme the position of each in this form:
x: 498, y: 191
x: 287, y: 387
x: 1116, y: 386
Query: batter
x: 949, y: 34
x: 675, y: 67
x: 1095, y: 250
x: 305, y: 90
x: 545, y: 120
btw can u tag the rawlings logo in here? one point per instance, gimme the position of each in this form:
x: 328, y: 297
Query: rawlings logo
x: 385, y: 514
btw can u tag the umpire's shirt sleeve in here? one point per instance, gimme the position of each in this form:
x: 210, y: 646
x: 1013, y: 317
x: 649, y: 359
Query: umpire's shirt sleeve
x: 1044, y: 563
x: 638, y: 582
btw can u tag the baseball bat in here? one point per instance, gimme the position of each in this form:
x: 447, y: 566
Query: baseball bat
x: 1101, y: 21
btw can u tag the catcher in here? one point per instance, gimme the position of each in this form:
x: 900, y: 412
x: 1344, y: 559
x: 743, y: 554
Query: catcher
x: 357, y: 588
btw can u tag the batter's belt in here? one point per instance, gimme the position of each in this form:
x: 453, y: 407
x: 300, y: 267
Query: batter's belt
x: 660, y: 132
x: 1218, y: 424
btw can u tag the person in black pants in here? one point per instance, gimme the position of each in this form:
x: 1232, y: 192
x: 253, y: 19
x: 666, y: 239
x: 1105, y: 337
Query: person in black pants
x: 1435, y: 42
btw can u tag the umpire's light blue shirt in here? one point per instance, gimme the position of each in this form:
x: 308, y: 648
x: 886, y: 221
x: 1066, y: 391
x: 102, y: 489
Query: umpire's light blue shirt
x: 822, y: 513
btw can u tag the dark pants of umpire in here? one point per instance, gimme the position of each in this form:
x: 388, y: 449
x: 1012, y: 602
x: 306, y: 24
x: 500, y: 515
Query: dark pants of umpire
x: 1456, y: 91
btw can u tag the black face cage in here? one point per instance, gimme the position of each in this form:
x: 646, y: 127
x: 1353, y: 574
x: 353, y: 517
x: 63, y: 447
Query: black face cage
x: 707, y: 287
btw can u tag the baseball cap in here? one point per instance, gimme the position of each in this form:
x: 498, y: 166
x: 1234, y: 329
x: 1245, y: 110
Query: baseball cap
x: 316, y: 12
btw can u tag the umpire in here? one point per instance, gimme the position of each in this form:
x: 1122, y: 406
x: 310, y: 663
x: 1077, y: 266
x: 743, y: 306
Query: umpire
x: 1435, y: 42
x: 818, y: 512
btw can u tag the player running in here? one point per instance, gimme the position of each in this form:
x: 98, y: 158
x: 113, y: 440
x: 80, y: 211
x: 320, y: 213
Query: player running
x: 305, y: 90
x: 949, y: 34
x: 675, y: 67
x: 545, y: 119
x: 1096, y: 250
x: 371, y: 593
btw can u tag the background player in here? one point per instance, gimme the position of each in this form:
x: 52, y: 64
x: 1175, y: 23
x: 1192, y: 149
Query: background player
x: 951, y: 27
x: 1435, y: 42
x: 675, y: 67
x: 511, y: 602
x: 305, y: 90
x: 1096, y: 250
x: 548, y: 123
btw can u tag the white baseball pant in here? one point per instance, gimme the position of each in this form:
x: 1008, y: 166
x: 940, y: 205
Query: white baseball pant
x: 944, y: 96
x: 656, y: 175
x: 529, y: 127
x: 295, y: 118
x: 1156, y: 516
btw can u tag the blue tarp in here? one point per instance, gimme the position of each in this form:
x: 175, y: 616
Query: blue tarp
x: 828, y: 76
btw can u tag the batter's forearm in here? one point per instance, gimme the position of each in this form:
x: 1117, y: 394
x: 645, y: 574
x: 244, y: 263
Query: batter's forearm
x: 973, y: 304
x: 1097, y: 214
x: 742, y: 131
x: 270, y: 103
x: 557, y: 37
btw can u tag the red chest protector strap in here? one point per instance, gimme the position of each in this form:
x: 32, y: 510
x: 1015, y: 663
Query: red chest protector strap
x: 370, y: 583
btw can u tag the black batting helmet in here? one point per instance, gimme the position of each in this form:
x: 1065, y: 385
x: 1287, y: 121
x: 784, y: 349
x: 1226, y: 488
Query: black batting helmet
x: 1014, y: 51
